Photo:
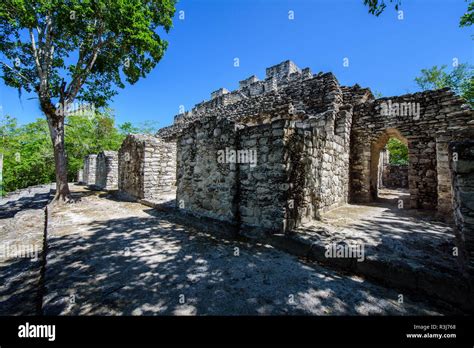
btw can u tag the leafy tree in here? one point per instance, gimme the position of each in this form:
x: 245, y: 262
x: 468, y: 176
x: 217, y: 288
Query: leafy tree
x: 27, y: 154
x: 146, y: 127
x: 28, y: 157
x: 110, y: 40
x: 460, y: 80
x: 89, y: 134
x: 376, y: 7
x: 467, y: 19
x: 398, y: 151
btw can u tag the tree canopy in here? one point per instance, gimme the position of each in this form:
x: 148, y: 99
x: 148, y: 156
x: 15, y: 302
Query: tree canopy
x: 78, y: 50
x: 460, y: 80
x: 28, y: 155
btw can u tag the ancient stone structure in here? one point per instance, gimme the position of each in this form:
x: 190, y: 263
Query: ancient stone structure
x: 90, y: 167
x: 426, y: 122
x: 147, y: 167
x: 80, y: 176
x: 107, y: 170
x: 395, y: 176
x: 277, y: 152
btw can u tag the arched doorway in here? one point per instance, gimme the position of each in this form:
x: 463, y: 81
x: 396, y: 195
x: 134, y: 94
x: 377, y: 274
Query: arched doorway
x: 377, y: 164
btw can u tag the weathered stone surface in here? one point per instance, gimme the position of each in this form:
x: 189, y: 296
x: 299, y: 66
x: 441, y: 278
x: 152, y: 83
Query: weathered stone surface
x: 426, y: 122
x: 90, y: 169
x: 80, y: 176
x: 107, y: 170
x: 461, y: 156
x: 317, y: 145
x: 396, y: 176
x: 147, y: 167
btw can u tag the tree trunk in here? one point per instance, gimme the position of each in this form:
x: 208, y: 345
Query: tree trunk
x: 56, y: 130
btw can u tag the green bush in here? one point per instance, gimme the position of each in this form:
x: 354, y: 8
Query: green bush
x: 398, y: 151
x: 28, y: 153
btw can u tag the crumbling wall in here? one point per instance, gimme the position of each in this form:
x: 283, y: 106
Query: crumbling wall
x: 298, y: 129
x: 166, y: 178
x: 205, y: 185
x: 317, y: 144
x: 420, y: 119
x: 107, y: 170
x: 461, y: 155
x: 90, y: 167
x: 80, y: 176
x: 146, y: 169
x: 395, y: 176
x: 263, y: 183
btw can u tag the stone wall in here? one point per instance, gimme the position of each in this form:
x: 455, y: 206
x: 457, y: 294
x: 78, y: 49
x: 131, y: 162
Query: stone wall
x: 395, y: 176
x: 317, y: 145
x: 206, y: 187
x: 80, y: 176
x: 263, y: 186
x: 461, y: 155
x: 146, y: 168
x: 300, y: 133
x: 420, y: 120
x: 90, y: 167
x: 107, y: 170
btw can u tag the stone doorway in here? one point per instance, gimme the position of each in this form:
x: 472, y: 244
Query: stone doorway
x: 382, y: 187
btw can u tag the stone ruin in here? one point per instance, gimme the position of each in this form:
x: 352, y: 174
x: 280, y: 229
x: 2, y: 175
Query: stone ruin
x: 100, y: 171
x: 107, y: 170
x: 461, y: 155
x: 89, y: 171
x: 392, y: 176
x: 278, y: 152
x: 317, y: 146
x: 80, y: 176
x: 147, y: 168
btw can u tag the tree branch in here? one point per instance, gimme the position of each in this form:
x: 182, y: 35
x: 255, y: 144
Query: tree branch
x: 35, y: 54
x: 18, y: 73
x: 81, y: 77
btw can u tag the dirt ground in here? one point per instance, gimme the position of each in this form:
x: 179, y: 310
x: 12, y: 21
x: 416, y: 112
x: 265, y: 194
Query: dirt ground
x: 108, y: 257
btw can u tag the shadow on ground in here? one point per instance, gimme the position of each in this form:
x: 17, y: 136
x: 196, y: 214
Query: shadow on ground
x: 150, y: 265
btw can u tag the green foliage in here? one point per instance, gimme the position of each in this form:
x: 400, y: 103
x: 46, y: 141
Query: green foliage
x: 468, y: 18
x: 89, y: 134
x: 377, y: 94
x: 28, y: 154
x: 112, y: 41
x: 398, y: 151
x: 460, y: 80
x: 376, y: 7
x: 146, y: 127
x: 79, y: 50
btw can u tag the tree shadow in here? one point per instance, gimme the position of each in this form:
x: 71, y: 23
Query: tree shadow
x: 37, y: 201
x: 154, y: 266
x: 19, y: 279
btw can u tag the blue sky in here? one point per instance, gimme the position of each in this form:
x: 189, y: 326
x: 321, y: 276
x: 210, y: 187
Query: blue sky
x: 384, y: 53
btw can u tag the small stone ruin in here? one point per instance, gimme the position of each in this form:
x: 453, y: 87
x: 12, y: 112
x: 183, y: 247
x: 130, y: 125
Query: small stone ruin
x: 462, y: 165
x: 147, y: 168
x: 90, y: 167
x: 107, y: 170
